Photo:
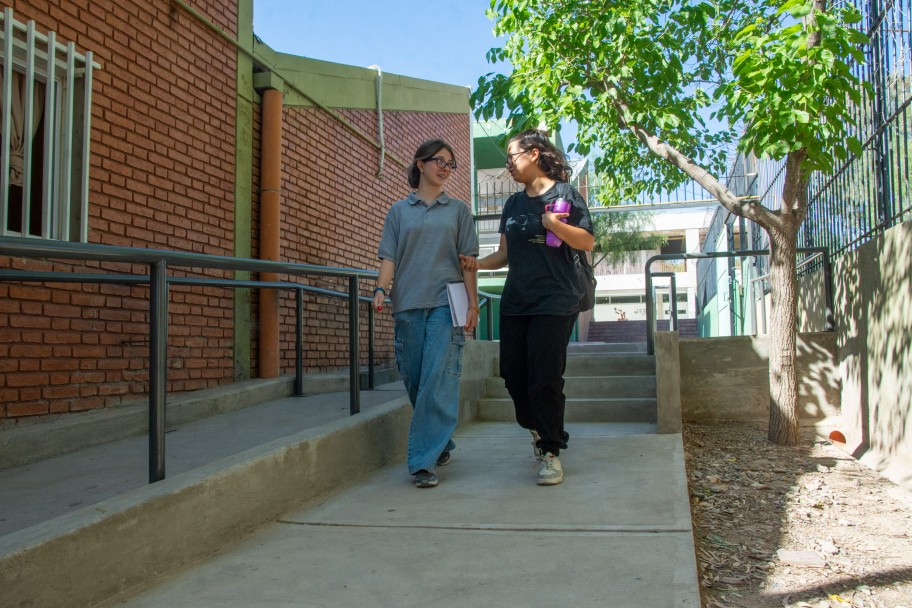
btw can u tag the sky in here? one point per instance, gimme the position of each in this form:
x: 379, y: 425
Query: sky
x: 440, y: 41
x: 433, y: 40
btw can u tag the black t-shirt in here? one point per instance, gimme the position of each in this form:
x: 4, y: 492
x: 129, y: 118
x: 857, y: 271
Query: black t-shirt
x: 541, y: 280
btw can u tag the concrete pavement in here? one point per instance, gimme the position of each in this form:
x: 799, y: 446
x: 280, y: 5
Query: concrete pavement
x: 616, y: 533
x: 292, y: 502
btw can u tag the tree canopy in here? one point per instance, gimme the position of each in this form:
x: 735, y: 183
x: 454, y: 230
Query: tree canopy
x: 697, y: 76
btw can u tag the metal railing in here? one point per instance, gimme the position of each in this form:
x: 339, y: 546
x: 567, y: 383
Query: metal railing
x: 650, y: 289
x: 159, y: 262
x: 752, y: 297
x: 486, y: 303
x: 55, y: 83
x: 871, y: 192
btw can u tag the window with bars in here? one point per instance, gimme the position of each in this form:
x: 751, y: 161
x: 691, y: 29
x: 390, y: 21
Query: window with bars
x: 45, y: 99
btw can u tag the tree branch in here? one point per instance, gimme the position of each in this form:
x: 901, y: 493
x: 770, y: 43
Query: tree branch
x: 755, y: 213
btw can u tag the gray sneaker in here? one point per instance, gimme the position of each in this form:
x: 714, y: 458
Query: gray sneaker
x: 535, y: 438
x: 550, y: 472
x: 425, y: 479
x: 443, y: 459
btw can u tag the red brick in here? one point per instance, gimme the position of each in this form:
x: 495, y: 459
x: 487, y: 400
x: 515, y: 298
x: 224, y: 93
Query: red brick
x: 17, y: 410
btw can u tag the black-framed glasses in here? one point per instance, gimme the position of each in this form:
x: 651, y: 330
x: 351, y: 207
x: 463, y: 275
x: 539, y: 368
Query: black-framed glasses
x: 442, y: 163
x: 512, y: 155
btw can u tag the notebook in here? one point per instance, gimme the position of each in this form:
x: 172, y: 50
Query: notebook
x: 458, y: 298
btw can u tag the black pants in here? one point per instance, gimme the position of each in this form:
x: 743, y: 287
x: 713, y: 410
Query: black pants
x: 533, y: 356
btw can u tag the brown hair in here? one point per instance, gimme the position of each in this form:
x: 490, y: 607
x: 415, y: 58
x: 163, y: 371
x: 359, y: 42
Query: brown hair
x: 551, y: 161
x: 425, y: 151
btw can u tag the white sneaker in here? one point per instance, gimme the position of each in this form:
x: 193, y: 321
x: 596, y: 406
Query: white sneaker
x: 550, y: 472
x: 535, y: 438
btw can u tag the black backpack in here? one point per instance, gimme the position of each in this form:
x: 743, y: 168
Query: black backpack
x: 586, y: 279
x: 583, y: 268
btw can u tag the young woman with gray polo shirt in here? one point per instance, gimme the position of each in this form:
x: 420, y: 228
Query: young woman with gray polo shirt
x: 423, y: 236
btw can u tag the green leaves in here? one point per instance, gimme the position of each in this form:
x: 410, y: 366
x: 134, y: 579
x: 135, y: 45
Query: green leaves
x: 698, y: 75
x: 795, y: 96
x: 618, y: 234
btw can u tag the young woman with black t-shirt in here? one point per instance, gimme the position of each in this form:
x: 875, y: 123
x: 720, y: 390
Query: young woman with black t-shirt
x: 540, y: 301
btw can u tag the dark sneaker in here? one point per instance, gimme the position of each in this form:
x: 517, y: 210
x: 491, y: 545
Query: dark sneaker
x: 443, y: 459
x: 550, y: 472
x: 425, y: 479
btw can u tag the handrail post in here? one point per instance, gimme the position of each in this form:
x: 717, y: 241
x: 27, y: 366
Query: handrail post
x: 489, y: 318
x: 299, y: 343
x: 158, y: 367
x: 828, y: 291
x: 353, y: 347
x: 650, y: 313
x: 674, y: 304
x: 370, y: 346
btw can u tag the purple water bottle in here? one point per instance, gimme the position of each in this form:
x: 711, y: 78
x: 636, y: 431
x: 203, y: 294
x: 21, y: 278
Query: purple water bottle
x: 560, y: 205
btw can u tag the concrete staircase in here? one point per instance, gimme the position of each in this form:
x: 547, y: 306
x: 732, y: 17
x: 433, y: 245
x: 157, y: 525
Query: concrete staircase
x: 635, y: 331
x: 604, y: 383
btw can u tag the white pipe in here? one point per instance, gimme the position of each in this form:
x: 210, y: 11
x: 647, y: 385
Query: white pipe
x: 380, y: 116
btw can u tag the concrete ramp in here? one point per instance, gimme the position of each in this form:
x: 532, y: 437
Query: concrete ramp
x: 616, y: 533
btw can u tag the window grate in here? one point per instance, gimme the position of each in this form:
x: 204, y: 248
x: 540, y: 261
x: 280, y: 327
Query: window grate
x: 45, y: 100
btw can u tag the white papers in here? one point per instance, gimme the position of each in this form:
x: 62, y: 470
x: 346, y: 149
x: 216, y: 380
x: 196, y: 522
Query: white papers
x: 459, y: 302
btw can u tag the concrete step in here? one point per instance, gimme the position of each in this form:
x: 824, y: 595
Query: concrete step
x: 599, y: 365
x: 578, y: 410
x: 630, y: 365
x: 617, y: 365
x: 605, y: 348
x: 590, y: 386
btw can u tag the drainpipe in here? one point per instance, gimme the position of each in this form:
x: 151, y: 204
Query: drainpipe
x: 380, y: 117
x: 270, y: 215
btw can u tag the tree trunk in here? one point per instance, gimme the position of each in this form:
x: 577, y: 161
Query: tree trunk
x: 783, y: 416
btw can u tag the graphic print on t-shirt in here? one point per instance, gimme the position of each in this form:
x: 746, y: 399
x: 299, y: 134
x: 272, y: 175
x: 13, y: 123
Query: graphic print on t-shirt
x: 528, y: 226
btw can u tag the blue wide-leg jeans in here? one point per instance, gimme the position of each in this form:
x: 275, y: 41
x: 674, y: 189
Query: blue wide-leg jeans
x: 429, y: 357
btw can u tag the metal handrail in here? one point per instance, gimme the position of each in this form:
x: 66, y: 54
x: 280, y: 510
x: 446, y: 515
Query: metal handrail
x: 25, y: 276
x: 650, y: 301
x: 487, y: 304
x: 762, y: 299
x: 673, y: 296
x: 158, y: 281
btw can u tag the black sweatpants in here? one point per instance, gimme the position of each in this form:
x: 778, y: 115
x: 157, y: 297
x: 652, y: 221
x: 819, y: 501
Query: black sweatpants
x: 533, y: 357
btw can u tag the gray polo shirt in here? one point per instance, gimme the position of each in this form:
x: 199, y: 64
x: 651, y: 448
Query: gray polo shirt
x: 424, y: 242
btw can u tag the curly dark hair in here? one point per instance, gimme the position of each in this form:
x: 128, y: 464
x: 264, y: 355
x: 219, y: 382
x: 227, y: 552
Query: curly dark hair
x: 425, y: 151
x: 551, y: 161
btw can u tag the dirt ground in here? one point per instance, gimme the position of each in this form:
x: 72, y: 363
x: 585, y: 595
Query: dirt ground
x: 805, y: 526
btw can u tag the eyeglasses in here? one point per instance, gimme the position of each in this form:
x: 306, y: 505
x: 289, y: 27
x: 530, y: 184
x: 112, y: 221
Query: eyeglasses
x: 442, y: 163
x: 512, y: 156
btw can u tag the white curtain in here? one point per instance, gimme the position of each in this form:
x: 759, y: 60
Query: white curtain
x: 17, y: 139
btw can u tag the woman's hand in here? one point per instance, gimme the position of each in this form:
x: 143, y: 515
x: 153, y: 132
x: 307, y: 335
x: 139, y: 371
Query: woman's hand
x: 379, y: 298
x: 469, y: 263
x: 471, y: 318
x: 549, y: 219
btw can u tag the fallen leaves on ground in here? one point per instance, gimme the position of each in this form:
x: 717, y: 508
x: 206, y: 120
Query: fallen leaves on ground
x: 805, y: 526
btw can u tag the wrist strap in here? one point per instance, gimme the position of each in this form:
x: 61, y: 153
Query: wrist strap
x: 376, y: 289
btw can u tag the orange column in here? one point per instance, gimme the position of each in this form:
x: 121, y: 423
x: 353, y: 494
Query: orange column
x: 270, y: 217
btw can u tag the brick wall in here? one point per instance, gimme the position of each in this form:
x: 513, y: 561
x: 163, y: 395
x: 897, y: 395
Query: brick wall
x: 333, y: 208
x: 162, y: 176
